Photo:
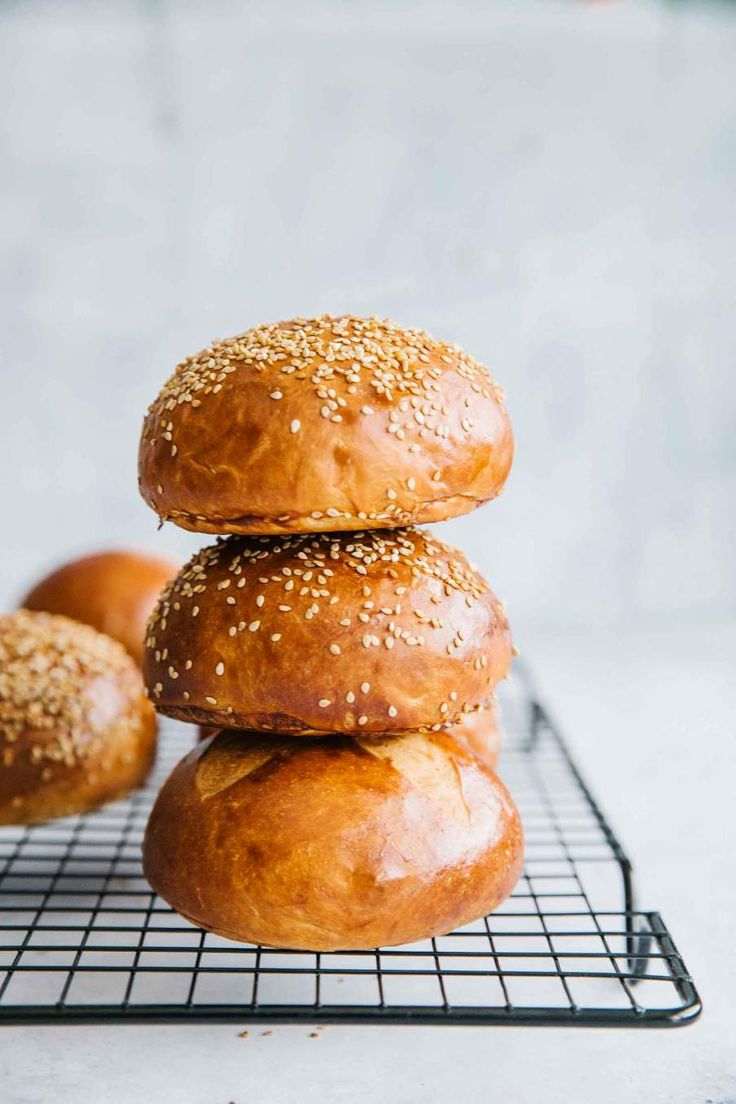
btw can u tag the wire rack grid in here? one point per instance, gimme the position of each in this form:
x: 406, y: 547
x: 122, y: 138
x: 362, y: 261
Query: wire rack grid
x: 83, y: 938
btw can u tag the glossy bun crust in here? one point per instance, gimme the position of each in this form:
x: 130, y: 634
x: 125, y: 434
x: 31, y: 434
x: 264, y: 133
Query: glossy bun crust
x: 336, y: 843
x: 324, y: 424
x: 481, y: 734
x: 114, y: 592
x: 383, y: 631
x: 76, y: 729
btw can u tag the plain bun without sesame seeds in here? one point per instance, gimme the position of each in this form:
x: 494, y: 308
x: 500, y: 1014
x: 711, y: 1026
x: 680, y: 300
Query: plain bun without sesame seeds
x: 76, y: 729
x: 374, y: 632
x: 324, y: 424
x: 337, y: 843
x: 113, y: 591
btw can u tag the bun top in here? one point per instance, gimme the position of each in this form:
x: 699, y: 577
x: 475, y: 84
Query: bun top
x: 322, y: 424
x: 114, y: 592
x: 381, y: 631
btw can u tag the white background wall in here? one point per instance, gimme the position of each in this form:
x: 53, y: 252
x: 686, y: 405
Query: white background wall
x: 550, y: 184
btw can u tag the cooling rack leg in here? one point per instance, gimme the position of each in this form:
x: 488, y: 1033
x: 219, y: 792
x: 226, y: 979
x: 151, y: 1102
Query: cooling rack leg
x: 638, y: 943
x: 537, y: 718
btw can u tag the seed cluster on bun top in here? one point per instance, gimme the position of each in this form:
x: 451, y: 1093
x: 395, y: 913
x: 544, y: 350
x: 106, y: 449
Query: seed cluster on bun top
x: 393, y: 360
x: 76, y: 729
x: 48, y: 666
x: 332, y: 423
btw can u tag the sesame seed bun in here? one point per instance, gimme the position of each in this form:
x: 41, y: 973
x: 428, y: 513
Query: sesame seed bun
x: 114, y: 592
x: 382, y: 631
x: 76, y: 729
x: 324, y: 424
x: 338, y: 843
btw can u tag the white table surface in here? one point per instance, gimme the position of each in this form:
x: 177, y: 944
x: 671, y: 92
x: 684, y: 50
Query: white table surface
x: 651, y: 720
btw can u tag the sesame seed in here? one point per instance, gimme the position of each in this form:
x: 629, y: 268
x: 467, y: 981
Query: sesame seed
x: 220, y: 669
x: 295, y: 426
x: 254, y: 626
x: 335, y: 649
x: 365, y: 687
x: 324, y: 702
x: 277, y: 394
x: 275, y: 637
x: 392, y: 711
x: 260, y: 599
x: 211, y: 701
x: 362, y: 719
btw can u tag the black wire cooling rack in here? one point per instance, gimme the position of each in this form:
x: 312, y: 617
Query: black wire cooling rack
x: 83, y: 938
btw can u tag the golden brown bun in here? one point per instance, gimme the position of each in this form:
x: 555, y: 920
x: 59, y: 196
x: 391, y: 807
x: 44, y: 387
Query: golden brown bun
x: 76, y: 729
x: 321, y: 424
x: 114, y: 592
x: 336, y: 843
x: 481, y: 734
x: 384, y: 631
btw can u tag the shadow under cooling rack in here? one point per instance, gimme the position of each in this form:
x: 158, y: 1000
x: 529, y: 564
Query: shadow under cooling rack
x: 83, y: 938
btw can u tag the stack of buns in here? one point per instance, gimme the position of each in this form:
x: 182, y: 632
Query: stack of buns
x: 344, y: 659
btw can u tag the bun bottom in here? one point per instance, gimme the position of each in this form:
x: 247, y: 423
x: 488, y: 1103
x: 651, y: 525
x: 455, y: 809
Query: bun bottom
x: 335, y: 843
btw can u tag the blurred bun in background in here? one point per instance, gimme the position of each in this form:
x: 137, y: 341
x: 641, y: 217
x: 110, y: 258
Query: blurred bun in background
x: 76, y: 729
x: 114, y: 592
